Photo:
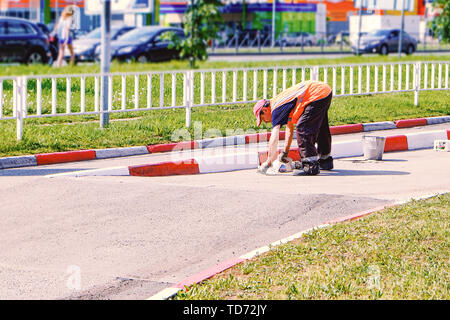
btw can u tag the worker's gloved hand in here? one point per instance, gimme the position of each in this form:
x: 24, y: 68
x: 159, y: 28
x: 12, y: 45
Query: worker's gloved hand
x: 263, y: 167
x: 283, y: 157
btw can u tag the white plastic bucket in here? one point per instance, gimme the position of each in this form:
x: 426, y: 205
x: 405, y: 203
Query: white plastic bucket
x: 373, y: 147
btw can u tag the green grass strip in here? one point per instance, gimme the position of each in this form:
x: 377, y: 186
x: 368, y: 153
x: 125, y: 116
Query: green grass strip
x: 398, y: 253
x: 15, y: 70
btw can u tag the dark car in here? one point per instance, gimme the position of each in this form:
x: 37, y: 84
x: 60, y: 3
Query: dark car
x: 84, y: 47
x: 53, y: 39
x: 23, y: 41
x: 145, y: 44
x: 384, y: 41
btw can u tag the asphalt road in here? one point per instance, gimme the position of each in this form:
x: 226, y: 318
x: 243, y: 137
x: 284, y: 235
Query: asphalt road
x: 299, y: 56
x: 129, y: 237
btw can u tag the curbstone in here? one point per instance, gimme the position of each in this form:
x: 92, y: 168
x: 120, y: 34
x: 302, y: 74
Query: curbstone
x: 374, y: 126
x: 113, y: 171
x: 61, y: 157
x: 424, y: 140
x: 221, y: 142
x: 18, y: 162
x: 186, y: 167
x: 347, y: 149
x: 208, y: 273
x: 251, y: 160
x: 348, y: 128
x: 167, y: 147
x: 396, y: 143
x: 227, y: 163
x: 411, y: 123
x: 120, y: 152
x: 392, y: 144
x: 438, y: 120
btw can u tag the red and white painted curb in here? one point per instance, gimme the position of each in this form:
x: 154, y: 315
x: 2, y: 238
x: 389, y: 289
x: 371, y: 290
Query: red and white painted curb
x: 71, y: 156
x: 250, y: 160
x: 167, y: 293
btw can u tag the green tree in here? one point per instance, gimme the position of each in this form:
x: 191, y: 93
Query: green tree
x: 202, y: 21
x: 440, y: 25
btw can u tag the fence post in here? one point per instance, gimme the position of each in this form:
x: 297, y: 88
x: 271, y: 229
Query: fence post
x: 259, y: 41
x: 315, y: 73
x: 417, y: 80
x: 20, y: 107
x: 189, y: 87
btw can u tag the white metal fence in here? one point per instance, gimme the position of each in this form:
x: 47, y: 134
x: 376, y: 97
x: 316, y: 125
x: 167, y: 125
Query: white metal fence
x: 27, y: 97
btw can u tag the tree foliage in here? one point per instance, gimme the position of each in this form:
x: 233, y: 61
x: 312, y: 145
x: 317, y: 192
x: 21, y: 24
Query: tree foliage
x: 202, y: 21
x: 440, y: 25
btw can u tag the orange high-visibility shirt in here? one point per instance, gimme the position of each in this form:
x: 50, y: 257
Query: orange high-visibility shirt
x: 305, y: 93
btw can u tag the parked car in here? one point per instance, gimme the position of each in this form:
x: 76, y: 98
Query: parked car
x: 144, y: 44
x: 384, y: 41
x: 23, y: 41
x: 53, y: 39
x: 84, y: 47
x: 297, y: 39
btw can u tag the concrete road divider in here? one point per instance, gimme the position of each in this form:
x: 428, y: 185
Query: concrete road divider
x: 70, y: 156
x: 250, y: 160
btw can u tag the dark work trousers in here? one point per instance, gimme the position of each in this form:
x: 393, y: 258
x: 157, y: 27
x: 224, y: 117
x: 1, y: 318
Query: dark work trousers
x: 312, y: 128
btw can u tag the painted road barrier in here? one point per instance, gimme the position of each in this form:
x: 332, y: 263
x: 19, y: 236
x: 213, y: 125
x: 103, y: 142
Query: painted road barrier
x: 82, y: 155
x: 250, y: 160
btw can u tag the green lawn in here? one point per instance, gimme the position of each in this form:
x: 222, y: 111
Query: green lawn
x: 15, y: 70
x: 398, y: 253
x: 65, y: 133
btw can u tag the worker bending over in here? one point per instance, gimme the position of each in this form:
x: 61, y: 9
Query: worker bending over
x: 304, y: 105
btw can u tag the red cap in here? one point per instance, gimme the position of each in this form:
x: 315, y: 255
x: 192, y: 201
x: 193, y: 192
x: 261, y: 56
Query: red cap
x: 257, y: 110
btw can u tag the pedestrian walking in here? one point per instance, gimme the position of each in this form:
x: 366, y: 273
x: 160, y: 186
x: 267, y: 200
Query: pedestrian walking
x: 62, y: 29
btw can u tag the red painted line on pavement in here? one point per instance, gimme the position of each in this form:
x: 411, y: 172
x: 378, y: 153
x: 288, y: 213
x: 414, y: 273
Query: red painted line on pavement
x: 448, y: 134
x: 361, y: 214
x: 396, y: 143
x: 357, y: 215
x: 348, y: 128
x: 411, y: 123
x: 206, y: 274
x: 60, y: 157
x: 165, y: 169
x: 166, y: 147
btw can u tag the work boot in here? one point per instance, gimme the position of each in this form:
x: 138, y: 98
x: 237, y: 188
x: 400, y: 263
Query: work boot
x: 311, y: 168
x: 326, y: 164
